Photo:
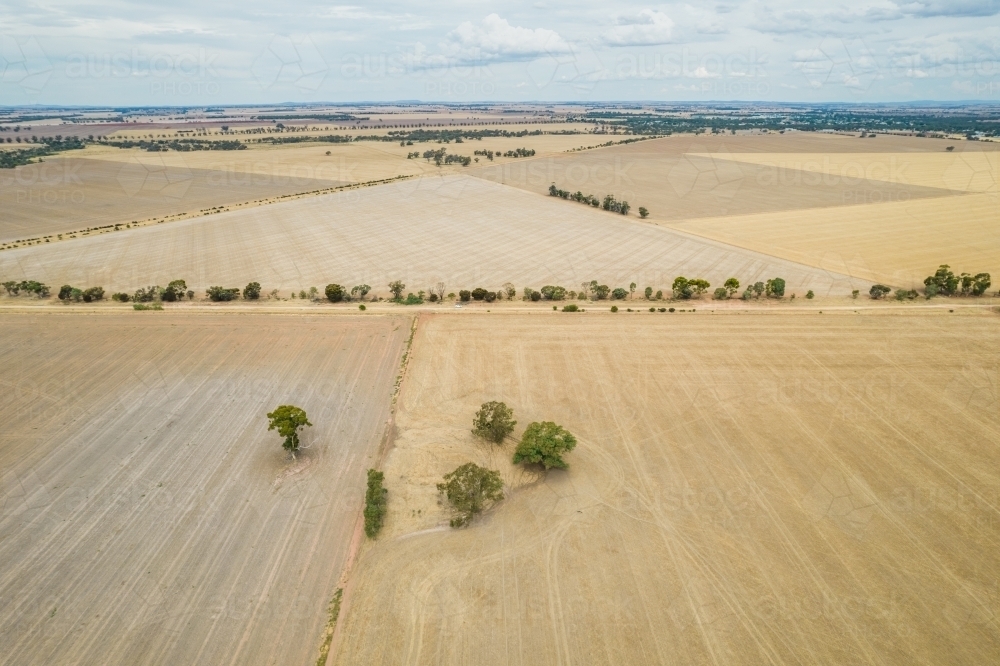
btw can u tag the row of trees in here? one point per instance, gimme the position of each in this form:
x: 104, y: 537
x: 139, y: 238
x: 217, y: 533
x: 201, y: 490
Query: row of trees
x: 14, y: 288
x: 70, y: 293
x: 609, y: 202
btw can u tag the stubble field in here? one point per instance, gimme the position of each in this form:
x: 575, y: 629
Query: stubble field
x: 148, y: 517
x: 457, y: 229
x: 746, y: 489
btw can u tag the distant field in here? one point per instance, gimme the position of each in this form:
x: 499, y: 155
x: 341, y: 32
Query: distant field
x: 899, y: 243
x: 747, y: 489
x: 463, y: 231
x: 65, y: 194
x: 146, y: 514
x: 684, y: 177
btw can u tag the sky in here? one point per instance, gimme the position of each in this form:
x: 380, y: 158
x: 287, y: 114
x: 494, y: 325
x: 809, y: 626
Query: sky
x: 186, y: 53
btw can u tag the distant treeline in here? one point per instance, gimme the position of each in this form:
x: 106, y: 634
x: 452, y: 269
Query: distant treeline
x: 15, y: 158
x: 181, y: 145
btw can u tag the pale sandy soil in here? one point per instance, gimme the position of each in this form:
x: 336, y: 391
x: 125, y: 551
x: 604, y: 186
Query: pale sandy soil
x: 147, y: 516
x: 684, y: 176
x: 898, y: 243
x: 461, y: 230
x: 746, y: 489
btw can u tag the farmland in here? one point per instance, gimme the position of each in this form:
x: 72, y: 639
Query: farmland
x: 760, y: 488
x: 456, y: 229
x: 147, y: 514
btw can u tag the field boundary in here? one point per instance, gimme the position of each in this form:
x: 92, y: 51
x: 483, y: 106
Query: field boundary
x: 388, y: 437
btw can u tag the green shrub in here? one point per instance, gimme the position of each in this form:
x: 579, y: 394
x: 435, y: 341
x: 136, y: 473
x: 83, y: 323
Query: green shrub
x: 218, y: 294
x: 878, y: 291
x: 614, y: 308
x: 252, y: 291
x: 536, y: 296
x: 121, y: 298
x: 619, y: 294
x: 775, y: 288
x: 412, y: 299
x: 65, y: 292
x: 464, y: 295
x: 478, y: 294
x: 572, y: 307
x: 648, y: 293
x: 93, y: 294
x: 553, y: 293
x: 375, y: 503
x: 664, y: 310
x: 469, y: 489
x: 671, y: 310
x: 494, y: 421
x: 721, y: 294
x: 490, y: 296
x: 362, y: 307
x: 809, y: 294
x: 334, y: 293
x: 544, y: 443
x: 147, y: 306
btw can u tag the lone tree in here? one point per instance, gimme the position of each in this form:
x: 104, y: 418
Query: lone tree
x: 397, y: 287
x: 469, y: 489
x: 775, y: 288
x: 287, y: 419
x: 732, y: 285
x: 545, y: 443
x: 334, y: 292
x: 878, y: 291
x: 252, y: 291
x: 494, y: 421
x: 375, y: 504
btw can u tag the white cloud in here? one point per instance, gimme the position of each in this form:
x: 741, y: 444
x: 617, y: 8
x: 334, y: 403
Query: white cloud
x: 495, y: 40
x: 648, y: 28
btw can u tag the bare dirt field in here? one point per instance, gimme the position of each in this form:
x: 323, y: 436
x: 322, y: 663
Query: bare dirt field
x: 685, y: 176
x: 64, y: 194
x: 746, y: 489
x: 146, y: 514
x: 898, y: 243
x: 461, y: 230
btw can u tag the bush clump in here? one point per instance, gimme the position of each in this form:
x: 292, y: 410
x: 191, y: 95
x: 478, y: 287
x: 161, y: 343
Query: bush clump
x: 572, y: 307
x: 479, y: 294
x: 121, y: 298
x: 218, y: 294
x: 469, y: 489
x: 375, y: 503
x: 544, y: 442
x: 494, y: 421
x: 334, y: 293
x: 464, y: 295
x: 252, y: 291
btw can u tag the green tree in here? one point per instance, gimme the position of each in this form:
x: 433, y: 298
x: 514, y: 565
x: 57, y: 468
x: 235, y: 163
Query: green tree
x: 510, y: 290
x: 334, y: 293
x: 469, y: 489
x: 494, y: 421
x: 216, y: 294
x: 648, y: 293
x: 287, y: 419
x: 375, y: 503
x: 65, y: 292
x: 631, y: 290
x: 360, y: 291
x: 643, y: 213
x: 397, y: 287
x: 758, y: 289
x: 732, y: 285
x: 721, y: 294
x: 252, y: 291
x: 775, y: 288
x: 810, y: 295
x: 12, y: 287
x: 544, y: 443
x: 93, y: 294
x: 944, y: 280
x: 464, y: 295
x: 878, y: 291
x: 618, y: 294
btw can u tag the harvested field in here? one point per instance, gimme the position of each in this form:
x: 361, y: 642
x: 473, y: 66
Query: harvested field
x: 898, y: 243
x: 684, y: 176
x: 460, y: 230
x: 65, y: 194
x: 146, y: 514
x: 746, y: 489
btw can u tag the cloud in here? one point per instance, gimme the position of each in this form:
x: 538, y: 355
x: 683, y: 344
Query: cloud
x: 926, y: 8
x: 648, y: 28
x: 496, y: 40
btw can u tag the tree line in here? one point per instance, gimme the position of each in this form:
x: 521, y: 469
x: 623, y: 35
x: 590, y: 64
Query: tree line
x: 609, y: 203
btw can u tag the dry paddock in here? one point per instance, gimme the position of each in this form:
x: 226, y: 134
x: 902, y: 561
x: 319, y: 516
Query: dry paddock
x: 747, y: 489
x: 147, y: 516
